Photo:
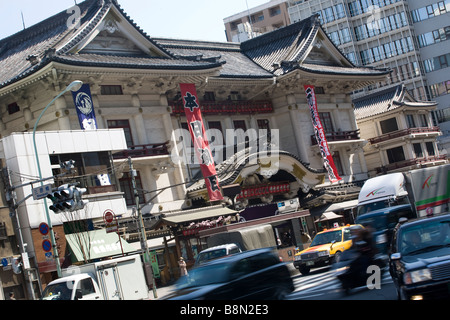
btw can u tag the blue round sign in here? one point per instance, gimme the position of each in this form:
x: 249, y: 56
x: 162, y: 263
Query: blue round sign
x: 46, y: 245
x: 43, y: 228
x: 4, y: 262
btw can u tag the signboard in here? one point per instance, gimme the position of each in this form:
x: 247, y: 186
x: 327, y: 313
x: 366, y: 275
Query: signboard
x: 110, y: 221
x: 198, y: 135
x: 42, y: 191
x: 44, y: 229
x: 46, y: 245
x: 85, y: 108
x: 154, y: 262
x: 319, y: 132
x: 108, y: 216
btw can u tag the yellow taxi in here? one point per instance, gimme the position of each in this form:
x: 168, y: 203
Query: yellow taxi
x: 326, y: 248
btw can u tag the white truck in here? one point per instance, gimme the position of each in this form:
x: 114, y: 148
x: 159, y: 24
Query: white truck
x: 116, y: 279
x: 427, y: 190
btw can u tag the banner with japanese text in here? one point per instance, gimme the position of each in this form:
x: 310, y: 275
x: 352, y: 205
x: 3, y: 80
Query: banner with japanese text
x: 198, y: 135
x: 319, y: 132
x: 85, y: 108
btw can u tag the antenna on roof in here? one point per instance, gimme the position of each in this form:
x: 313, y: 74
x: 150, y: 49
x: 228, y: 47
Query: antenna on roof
x: 249, y: 20
x: 23, y: 20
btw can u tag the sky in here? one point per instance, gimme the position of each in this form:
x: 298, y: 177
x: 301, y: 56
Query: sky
x: 183, y: 19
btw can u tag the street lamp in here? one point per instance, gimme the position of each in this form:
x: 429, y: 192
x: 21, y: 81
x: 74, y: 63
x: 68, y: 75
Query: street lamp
x: 74, y: 86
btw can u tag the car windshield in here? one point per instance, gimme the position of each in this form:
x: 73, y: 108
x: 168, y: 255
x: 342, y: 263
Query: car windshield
x: 210, y: 255
x: 376, y: 222
x: 204, y: 275
x: 58, y: 291
x: 427, y: 236
x: 326, y: 237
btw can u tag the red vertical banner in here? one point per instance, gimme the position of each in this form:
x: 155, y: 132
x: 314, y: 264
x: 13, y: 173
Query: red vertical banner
x: 198, y: 135
x: 319, y: 132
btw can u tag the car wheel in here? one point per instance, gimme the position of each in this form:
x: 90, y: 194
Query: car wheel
x: 337, y: 257
x: 401, y: 294
x: 304, y: 270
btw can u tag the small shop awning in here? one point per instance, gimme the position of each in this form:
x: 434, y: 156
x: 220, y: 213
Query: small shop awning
x: 328, y: 216
x: 97, y: 244
x: 185, y: 216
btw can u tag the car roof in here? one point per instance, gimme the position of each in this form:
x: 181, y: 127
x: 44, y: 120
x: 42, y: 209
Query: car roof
x: 222, y: 246
x: 422, y: 219
x: 383, y: 211
x: 238, y: 256
x: 339, y: 228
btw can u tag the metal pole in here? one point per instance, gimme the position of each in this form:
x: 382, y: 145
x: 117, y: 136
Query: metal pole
x: 144, y: 245
x: 74, y: 85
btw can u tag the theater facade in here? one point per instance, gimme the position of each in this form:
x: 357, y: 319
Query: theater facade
x: 252, y: 100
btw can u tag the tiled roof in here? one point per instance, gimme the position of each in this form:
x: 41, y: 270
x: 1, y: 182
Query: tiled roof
x: 235, y: 63
x: 137, y: 62
x: 271, y: 54
x: 386, y: 100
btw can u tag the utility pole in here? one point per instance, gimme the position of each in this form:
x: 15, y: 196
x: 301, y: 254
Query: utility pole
x: 143, y: 237
x: 13, y: 214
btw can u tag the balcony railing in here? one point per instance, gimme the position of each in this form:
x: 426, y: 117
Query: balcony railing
x: 411, y: 162
x: 338, y: 136
x: 402, y: 133
x: 144, y: 150
x: 227, y: 107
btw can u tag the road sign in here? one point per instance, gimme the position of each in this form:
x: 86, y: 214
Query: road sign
x: 108, y: 216
x: 46, y: 245
x: 43, y: 228
x: 42, y: 191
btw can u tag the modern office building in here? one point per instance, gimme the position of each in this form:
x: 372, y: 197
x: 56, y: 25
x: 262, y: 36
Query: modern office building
x: 256, y: 21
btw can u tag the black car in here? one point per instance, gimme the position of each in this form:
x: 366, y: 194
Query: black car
x: 254, y: 274
x: 420, y: 258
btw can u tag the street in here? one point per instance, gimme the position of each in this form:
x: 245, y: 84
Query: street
x: 321, y: 284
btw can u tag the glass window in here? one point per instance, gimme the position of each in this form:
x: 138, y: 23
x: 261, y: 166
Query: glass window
x: 388, y: 125
x: 125, y: 125
x: 86, y: 286
x: 410, y: 121
x: 395, y: 154
x: 418, y: 150
x: 327, y: 123
x: 430, y: 148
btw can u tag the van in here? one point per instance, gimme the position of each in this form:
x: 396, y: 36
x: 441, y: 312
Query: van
x: 216, y: 252
x: 383, y: 221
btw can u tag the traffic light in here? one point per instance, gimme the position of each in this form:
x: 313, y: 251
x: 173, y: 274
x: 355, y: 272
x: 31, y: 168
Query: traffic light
x: 79, y: 203
x: 67, y: 198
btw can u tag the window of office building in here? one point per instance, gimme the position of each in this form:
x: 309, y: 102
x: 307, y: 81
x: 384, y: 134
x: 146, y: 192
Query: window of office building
x: 430, y: 11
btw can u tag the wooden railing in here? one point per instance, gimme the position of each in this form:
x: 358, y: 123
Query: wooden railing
x: 402, y: 133
x: 338, y: 136
x: 144, y: 150
x: 227, y: 107
x: 411, y: 162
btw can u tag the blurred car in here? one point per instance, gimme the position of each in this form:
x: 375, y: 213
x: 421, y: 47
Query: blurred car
x: 420, y: 258
x: 216, y: 252
x: 382, y: 222
x: 326, y: 248
x: 255, y: 274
